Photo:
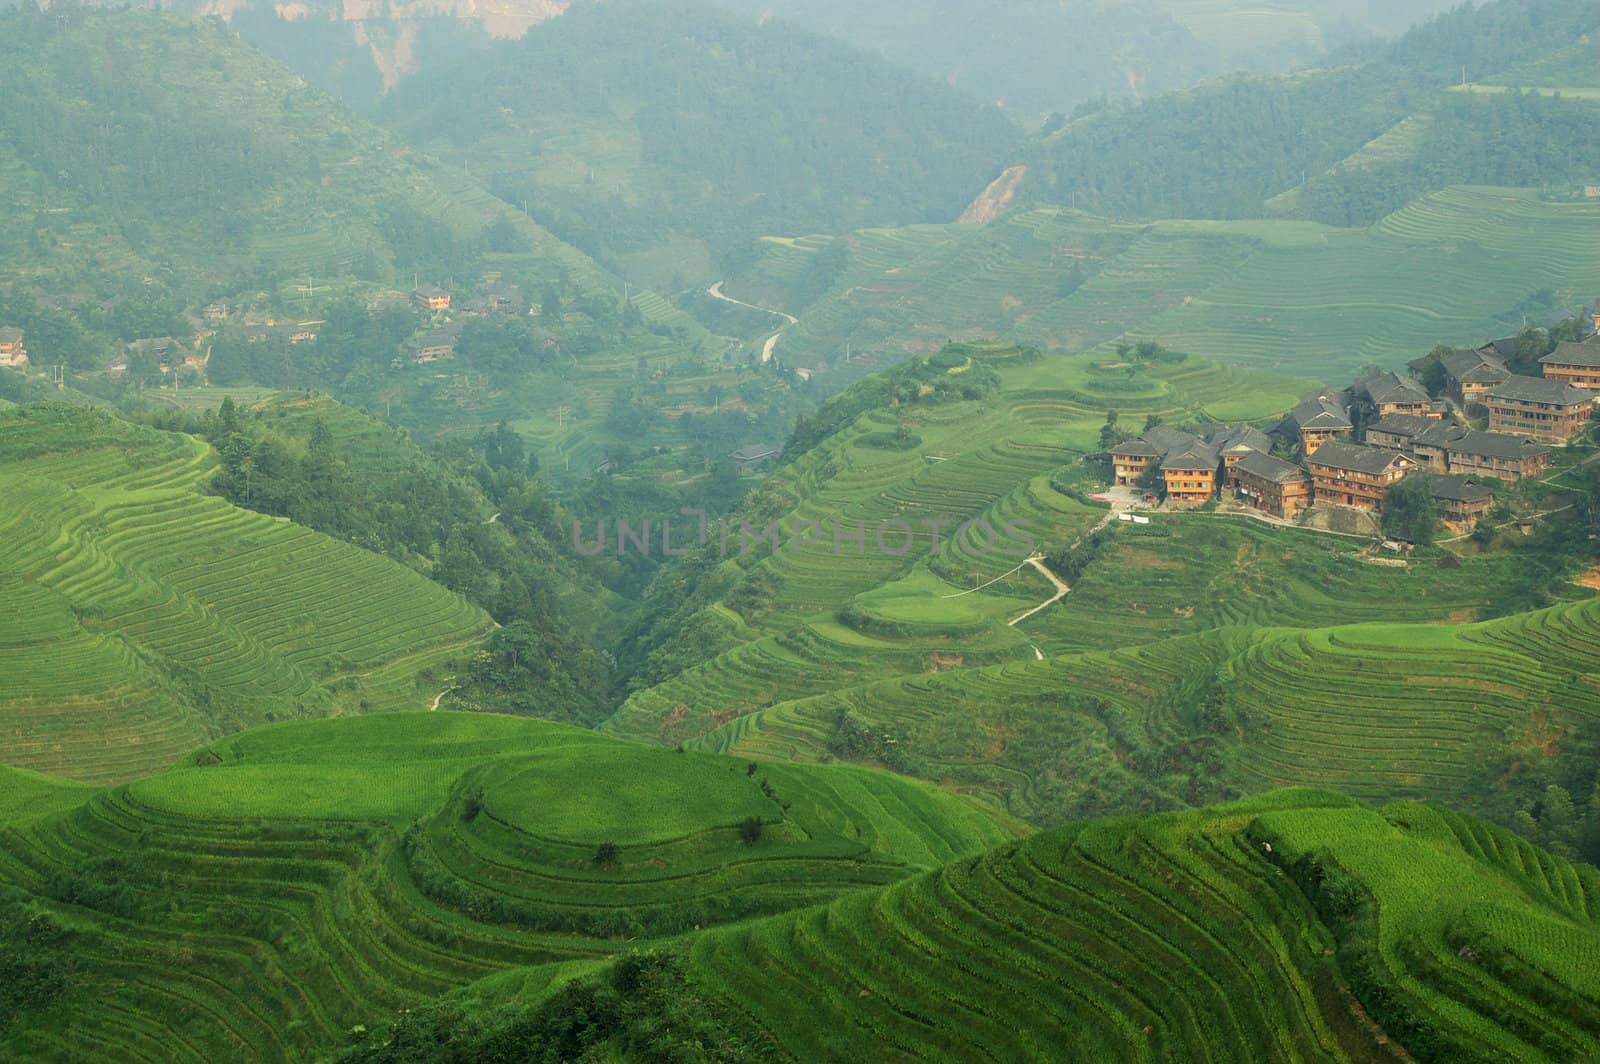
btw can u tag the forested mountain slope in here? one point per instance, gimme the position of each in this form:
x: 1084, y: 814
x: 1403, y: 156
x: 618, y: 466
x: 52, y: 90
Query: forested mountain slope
x: 1222, y: 150
x: 1036, y: 57
x: 152, y: 163
x: 662, y: 136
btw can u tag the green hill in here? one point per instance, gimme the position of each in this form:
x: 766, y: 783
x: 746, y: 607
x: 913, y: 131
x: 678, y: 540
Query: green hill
x: 284, y: 886
x: 143, y: 617
x: 1462, y: 266
x: 661, y: 138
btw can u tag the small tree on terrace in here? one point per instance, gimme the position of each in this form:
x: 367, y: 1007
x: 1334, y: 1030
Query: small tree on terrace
x: 1410, y: 512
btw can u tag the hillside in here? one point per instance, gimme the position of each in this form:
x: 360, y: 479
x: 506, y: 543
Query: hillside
x: 285, y: 891
x: 1036, y: 58
x: 663, y: 137
x: 1178, y: 669
x: 144, y: 617
x: 1462, y: 266
x: 155, y: 164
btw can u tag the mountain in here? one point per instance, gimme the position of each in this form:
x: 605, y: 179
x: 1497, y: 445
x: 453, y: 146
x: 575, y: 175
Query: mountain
x: 163, y: 164
x: 1037, y: 57
x: 358, y: 52
x: 664, y: 137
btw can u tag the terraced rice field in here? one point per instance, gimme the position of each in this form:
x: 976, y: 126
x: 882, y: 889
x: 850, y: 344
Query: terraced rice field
x: 148, y: 617
x: 1376, y: 711
x: 1182, y: 938
x: 212, y: 907
x: 981, y: 468
x: 1288, y: 296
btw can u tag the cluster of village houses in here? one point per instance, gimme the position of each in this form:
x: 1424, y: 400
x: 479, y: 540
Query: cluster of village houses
x: 436, y: 341
x: 1407, y: 433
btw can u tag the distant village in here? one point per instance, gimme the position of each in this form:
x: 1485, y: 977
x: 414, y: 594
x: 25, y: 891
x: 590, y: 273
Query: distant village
x: 1312, y: 458
x: 435, y: 340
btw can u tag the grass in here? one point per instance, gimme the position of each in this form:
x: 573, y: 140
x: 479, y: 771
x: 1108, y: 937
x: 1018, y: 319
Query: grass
x: 1288, y: 296
x: 296, y: 880
x: 144, y: 617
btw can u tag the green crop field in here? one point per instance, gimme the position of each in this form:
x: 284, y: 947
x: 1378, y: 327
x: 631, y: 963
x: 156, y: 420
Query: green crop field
x: 1290, y: 296
x: 209, y: 910
x: 143, y: 617
x: 1206, y: 936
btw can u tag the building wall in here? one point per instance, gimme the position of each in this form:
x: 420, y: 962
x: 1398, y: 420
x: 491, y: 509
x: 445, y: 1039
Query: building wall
x: 1509, y: 470
x: 1190, y: 487
x: 1577, y: 376
x: 1538, y: 421
x: 1269, y: 496
x: 1311, y: 439
x: 1364, y: 491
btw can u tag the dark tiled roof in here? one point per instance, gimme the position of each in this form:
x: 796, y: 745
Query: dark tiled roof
x: 1463, y: 365
x: 1320, y: 412
x: 1136, y: 448
x: 1199, y: 456
x: 1384, y: 386
x: 1266, y: 467
x: 1456, y: 489
x: 1495, y: 445
x: 1586, y: 354
x: 1235, y: 437
x: 1539, y: 390
x: 1355, y: 457
x: 10, y: 336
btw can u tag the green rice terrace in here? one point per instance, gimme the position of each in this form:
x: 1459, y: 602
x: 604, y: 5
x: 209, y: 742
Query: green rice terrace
x: 142, y: 617
x: 207, y: 911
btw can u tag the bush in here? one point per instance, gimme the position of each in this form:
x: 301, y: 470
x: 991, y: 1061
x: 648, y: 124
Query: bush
x: 605, y: 855
x: 750, y: 830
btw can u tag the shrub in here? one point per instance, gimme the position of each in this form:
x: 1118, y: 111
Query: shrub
x: 605, y: 855
x: 750, y: 830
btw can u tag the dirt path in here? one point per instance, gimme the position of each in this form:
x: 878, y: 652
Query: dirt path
x: 434, y: 708
x: 715, y: 292
x: 1061, y: 592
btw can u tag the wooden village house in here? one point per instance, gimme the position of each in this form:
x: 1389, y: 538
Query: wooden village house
x: 1574, y: 364
x: 12, y: 354
x: 1549, y: 410
x: 1349, y: 474
x: 1272, y: 485
x: 1316, y: 421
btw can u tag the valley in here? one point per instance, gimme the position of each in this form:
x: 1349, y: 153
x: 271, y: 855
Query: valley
x: 683, y: 532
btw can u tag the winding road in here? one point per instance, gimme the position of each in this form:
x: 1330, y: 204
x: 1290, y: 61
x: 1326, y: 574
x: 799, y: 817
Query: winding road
x: 715, y: 292
x: 1037, y: 561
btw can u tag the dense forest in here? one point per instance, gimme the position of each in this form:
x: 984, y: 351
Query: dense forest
x: 688, y: 121
x: 1223, y: 150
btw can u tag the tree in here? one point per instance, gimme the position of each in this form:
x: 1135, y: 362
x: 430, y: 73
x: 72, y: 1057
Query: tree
x: 550, y: 309
x: 1151, y: 422
x: 1410, y: 512
x: 1434, y: 375
x: 750, y: 830
x: 1558, y: 822
x: 606, y: 854
x: 1110, y: 435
